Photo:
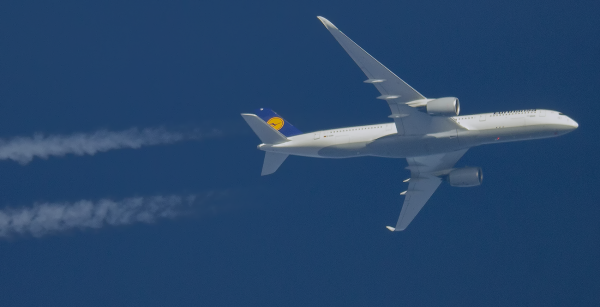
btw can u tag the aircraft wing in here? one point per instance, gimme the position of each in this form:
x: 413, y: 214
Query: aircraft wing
x: 424, y: 180
x: 399, y: 95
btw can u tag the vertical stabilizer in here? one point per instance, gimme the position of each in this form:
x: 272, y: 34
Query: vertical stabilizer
x: 277, y: 122
x: 272, y: 162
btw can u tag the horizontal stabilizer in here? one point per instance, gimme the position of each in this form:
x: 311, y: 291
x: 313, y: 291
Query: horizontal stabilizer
x: 264, y: 131
x: 272, y: 162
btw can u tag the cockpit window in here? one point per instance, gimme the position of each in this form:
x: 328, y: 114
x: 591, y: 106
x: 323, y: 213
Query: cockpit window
x: 560, y: 113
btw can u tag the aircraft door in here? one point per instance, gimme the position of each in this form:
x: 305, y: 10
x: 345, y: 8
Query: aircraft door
x: 481, y: 118
x: 316, y: 135
x: 542, y: 113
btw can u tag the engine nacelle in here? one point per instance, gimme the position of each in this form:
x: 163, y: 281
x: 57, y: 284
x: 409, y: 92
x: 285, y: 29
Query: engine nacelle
x: 465, y: 177
x: 448, y: 106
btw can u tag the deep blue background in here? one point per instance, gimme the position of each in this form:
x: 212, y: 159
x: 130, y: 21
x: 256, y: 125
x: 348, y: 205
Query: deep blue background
x: 313, y: 233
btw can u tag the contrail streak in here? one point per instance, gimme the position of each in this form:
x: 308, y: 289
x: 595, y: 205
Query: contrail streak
x: 47, y: 218
x: 24, y: 149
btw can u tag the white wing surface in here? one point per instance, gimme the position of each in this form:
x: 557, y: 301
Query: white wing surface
x: 424, y: 180
x: 394, y: 90
x: 402, y: 100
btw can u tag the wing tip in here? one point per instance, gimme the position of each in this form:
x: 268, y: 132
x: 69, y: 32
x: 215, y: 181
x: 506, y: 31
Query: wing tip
x: 327, y: 23
x: 390, y: 228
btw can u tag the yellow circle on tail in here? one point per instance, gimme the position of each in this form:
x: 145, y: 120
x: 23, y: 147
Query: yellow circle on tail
x: 276, y: 122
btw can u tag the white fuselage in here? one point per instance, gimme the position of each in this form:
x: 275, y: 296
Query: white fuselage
x: 382, y: 140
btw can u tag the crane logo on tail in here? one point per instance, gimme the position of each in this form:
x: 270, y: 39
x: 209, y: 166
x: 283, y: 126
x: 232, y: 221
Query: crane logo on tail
x: 275, y: 122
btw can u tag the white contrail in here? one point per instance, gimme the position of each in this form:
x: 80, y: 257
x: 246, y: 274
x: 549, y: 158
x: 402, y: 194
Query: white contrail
x: 24, y: 149
x: 47, y: 218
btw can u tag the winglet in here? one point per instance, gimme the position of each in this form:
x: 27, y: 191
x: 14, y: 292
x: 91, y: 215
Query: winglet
x: 390, y: 228
x: 327, y: 23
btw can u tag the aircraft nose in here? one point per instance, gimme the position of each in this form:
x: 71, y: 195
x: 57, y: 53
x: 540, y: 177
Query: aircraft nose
x: 574, y: 124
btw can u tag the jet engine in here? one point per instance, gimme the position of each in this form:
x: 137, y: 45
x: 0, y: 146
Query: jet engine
x: 448, y: 106
x: 465, y: 177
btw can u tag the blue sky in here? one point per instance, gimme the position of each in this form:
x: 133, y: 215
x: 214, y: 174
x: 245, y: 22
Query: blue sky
x: 313, y: 233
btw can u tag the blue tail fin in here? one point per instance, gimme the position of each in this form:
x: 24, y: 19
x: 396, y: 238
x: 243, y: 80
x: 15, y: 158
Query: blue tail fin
x: 277, y: 122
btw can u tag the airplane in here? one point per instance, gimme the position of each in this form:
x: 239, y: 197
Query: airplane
x: 430, y: 133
